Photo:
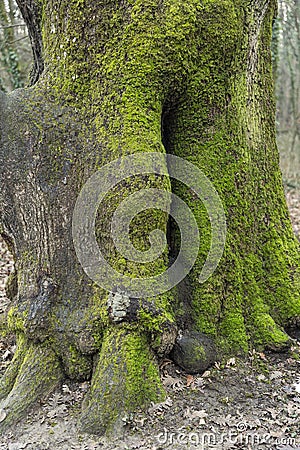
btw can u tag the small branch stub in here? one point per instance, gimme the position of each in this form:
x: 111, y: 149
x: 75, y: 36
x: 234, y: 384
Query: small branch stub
x: 118, y: 304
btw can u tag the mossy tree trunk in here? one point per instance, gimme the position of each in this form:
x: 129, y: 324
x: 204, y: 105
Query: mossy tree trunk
x: 184, y: 77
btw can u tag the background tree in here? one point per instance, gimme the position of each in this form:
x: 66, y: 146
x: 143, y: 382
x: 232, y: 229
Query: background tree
x: 190, y: 78
x: 15, y: 59
x: 288, y: 92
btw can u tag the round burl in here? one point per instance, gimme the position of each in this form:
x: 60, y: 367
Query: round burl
x: 194, y: 352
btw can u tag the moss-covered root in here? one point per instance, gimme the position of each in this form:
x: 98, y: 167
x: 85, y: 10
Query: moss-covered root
x: 8, y: 379
x: 126, y: 378
x: 268, y: 334
x: 39, y: 374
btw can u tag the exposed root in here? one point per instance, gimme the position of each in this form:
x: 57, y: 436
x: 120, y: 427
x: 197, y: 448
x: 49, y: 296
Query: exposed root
x: 39, y: 374
x: 8, y: 379
x: 267, y: 334
x: 126, y: 378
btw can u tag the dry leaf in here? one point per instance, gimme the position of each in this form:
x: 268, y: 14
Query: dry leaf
x: 2, y: 415
x: 297, y: 386
x: 141, y: 421
x: 66, y: 389
x: 201, y: 414
x: 261, y: 378
x: 198, y: 383
x: 273, y: 412
x: 189, y: 380
x: 164, y: 363
x: 159, y: 407
x: 17, y: 445
x: 6, y: 355
x: 275, y: 375
x: 230, y: 362
x: 206, y: 374
x: 174, y: 383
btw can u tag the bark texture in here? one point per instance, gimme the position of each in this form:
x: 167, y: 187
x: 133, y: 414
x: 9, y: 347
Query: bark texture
x: 31, y: 12
x: 184, y: 77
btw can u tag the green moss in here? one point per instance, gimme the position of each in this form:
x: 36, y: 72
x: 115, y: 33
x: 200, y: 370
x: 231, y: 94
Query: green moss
x: 190, y: 60
x: 126, y: 378
x: 76, y: 365
x: 39, y: 373
x: 142, y: 380
x: 16, y: 320
x: 233, y: 335
x: 154, y: 323
x: 295, y: 355
x: 225, y: 126
x: 199, y: 353
x: 11, y: 287
x: 8, y: 379
x: 266, y: 333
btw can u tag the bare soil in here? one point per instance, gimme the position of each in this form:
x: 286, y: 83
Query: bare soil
x: 248, y: 404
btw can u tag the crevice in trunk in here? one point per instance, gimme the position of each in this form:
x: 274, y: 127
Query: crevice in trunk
x: 183, y: 291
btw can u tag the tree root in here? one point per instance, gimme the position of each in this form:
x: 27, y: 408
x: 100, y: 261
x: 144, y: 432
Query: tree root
x: 8, y: 379
x: 35, y: 372
x: 268, y: 334
x: 126, y: 378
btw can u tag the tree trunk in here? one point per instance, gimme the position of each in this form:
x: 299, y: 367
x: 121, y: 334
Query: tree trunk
x: 188, y: 78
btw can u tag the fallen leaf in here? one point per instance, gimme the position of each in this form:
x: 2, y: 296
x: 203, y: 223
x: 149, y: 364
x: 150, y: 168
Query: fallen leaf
x: 206, y: 374
x: 174, y: 383
x: 261, y: 378
x: 159, y: 407
x: 2, y: 415
x: 275, y: 375
x: 297, y: 386
x: 66, y: 389
x: 6, y: 355
x: 273, y: 413
x: 231, y: 362
x: 164, y: 363
x: 17, y: 445
x: 141, y: 421
x: 201, y: 414
x: 189, y: 380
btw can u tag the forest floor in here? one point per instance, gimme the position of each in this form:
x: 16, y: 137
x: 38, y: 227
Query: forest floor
x: 248, y: 404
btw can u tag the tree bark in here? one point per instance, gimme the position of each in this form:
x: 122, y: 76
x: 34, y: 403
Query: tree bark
x: 31, y: 12
x: 187, y: 78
